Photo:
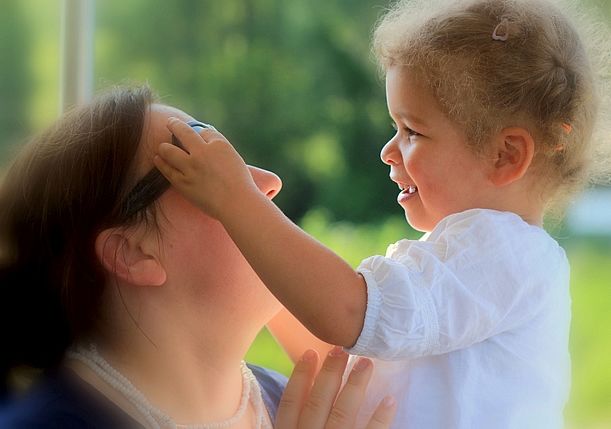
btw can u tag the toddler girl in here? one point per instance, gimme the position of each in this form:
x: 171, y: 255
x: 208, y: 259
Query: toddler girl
x: 494, y: 103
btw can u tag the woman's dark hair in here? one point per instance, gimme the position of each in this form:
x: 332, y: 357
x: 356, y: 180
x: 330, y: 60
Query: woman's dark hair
x: 66, y: 186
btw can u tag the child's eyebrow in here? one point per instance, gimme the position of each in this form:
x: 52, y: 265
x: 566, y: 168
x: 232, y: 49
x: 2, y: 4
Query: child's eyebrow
x: 412, y: 119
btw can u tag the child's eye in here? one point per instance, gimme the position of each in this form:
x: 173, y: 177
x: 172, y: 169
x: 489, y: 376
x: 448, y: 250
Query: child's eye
x: 408, y: 130
x: 411, y: 132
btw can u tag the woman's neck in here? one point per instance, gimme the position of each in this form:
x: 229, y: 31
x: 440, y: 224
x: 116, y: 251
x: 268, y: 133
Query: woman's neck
x: 192, y: 377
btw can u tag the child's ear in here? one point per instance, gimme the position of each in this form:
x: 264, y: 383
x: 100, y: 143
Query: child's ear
x: 126, y: 256
x: 514, y: 149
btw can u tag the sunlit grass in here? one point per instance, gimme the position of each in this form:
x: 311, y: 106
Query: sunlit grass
x: 590, y: 334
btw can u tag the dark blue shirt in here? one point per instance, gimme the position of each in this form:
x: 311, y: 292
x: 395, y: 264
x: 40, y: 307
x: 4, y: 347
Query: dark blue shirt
x: 65, y: 401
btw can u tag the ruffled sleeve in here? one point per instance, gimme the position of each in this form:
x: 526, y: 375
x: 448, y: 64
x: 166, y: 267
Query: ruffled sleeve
x: 399, y: 320
x: 477, y: 275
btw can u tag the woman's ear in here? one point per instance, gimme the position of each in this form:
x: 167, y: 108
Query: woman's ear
x: 514, y: 149
x: 122, y: 254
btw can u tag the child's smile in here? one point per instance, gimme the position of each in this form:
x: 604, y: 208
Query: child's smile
x: 407, y: 192
x: 437, y: 173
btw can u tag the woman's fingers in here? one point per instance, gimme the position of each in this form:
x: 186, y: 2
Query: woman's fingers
x: 383, y: 415
x: 316, y: 410
x: 296, y: 391
x: 304, y: 406
x: 347, y: 404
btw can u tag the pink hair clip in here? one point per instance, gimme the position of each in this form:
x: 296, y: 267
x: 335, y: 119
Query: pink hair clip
x: 501, y: 31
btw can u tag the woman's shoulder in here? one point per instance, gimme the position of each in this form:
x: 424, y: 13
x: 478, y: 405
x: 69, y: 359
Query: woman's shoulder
x: 62, y: 400
x: 272, y: 385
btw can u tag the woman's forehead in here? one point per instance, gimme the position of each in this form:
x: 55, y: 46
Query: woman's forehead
x: 157, y: 120
x: 156, y: 132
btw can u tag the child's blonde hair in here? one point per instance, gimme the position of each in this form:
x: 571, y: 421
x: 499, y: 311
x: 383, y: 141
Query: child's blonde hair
x: 493, y: 64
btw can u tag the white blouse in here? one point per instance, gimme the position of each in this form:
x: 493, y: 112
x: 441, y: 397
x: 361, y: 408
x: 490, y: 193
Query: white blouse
x: 469, y: 326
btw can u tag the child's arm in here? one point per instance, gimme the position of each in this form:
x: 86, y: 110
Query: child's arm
x: 315, y: 284
x: 294, y: 337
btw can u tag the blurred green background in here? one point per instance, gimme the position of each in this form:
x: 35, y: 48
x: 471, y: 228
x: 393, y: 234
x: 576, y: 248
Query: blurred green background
x: 293, y: 84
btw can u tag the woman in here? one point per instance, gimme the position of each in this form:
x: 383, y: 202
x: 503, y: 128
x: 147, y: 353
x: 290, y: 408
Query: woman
x: 137, y: 306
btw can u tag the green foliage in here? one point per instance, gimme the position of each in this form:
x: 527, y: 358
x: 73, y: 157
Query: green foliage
x: 590, y: 332
x: 266, y: 352
x: 291, y: 83
x: 14, y: 73
x: 355, y: 242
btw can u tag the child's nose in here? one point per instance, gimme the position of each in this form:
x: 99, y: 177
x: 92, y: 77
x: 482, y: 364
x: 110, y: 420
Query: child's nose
x: 388, y: 154
x: 269, y: 183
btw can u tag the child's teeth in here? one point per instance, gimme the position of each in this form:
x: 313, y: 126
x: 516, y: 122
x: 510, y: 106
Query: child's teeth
x: 411, y: 189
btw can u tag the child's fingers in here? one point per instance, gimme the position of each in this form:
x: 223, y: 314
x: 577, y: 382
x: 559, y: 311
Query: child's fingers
x: 349, y: 400
x: 328, y: 382
x: 172, y: 174
x: 296, y: 391
x: 210, y: 134
x: 383, y: 415
x: 188, y: 137
x: 173, y: 156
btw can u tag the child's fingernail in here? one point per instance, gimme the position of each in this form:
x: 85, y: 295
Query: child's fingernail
x: 361, y: 364
x: 308, y: 356
x: 388, y: 402
x: 336, y: 351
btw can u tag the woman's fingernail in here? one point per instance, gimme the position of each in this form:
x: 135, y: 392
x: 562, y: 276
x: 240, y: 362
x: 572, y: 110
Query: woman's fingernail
x: 388, y: 402
x: 308, y: 356
x: 172, y: 119
x: 362, y: 364
x: 337, y: 351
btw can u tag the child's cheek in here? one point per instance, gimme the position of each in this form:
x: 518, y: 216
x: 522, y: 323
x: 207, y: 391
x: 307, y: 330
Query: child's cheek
x: 415, y: 168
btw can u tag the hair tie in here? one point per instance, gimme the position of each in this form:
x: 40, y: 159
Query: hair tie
x: 567, y: 128
x: 501, y: 31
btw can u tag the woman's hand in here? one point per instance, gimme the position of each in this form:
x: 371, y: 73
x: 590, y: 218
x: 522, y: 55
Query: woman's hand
x: 313, y: 401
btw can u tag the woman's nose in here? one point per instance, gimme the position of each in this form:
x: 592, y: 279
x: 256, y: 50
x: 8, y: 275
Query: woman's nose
x: 388, y: 154
x: 268, y: 182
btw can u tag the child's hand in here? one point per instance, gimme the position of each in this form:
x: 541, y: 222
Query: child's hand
x: 209, y: 172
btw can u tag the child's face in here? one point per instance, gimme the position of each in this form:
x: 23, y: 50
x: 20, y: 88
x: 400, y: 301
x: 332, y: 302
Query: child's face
x: 428, y: 156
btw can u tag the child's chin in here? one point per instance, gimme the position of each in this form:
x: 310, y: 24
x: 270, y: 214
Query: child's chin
x: 418, y: 224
